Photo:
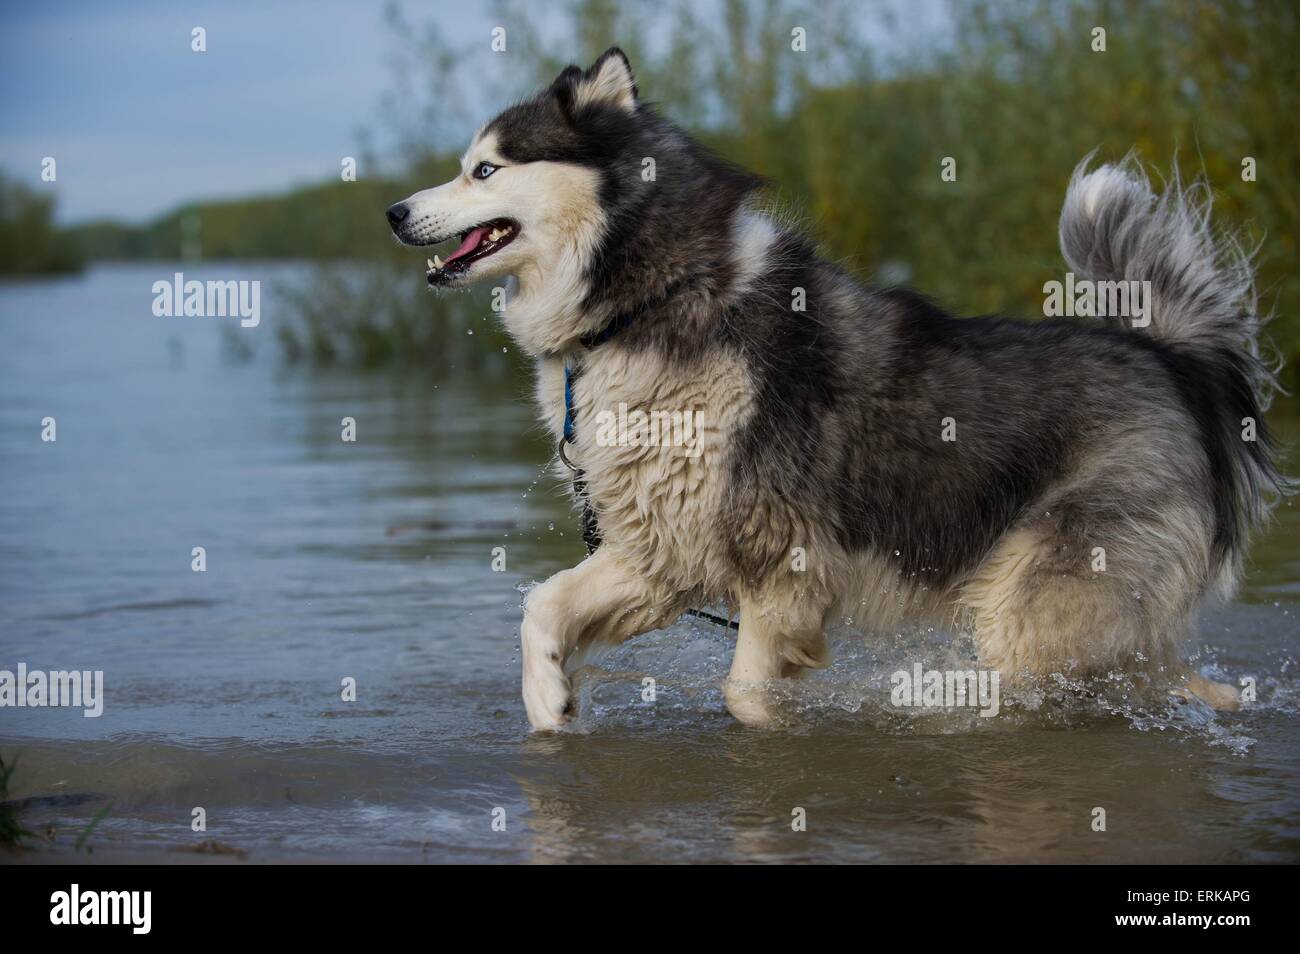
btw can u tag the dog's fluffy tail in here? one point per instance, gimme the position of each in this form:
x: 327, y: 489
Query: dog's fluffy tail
x: 1202, y: 307
x: 1115, y: 228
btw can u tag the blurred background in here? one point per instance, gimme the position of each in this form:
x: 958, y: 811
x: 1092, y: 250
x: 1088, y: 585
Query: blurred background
x: 235, y: 153
x: 399, y: 559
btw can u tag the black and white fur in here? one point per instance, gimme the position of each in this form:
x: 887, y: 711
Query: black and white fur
x: 825, y: 488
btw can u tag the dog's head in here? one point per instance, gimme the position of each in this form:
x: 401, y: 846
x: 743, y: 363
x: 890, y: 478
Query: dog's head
x: 585, y: 194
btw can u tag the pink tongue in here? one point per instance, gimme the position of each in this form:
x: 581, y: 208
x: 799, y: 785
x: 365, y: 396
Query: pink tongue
x: 470, y: 243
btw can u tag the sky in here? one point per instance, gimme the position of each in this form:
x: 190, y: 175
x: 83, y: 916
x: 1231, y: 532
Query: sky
x: 137, y: 122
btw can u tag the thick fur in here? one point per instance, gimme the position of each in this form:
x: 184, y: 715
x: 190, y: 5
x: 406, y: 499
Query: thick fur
x: 825, y: 487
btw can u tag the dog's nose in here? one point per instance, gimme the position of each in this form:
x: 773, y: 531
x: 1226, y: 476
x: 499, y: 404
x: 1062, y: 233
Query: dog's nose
x: 397, y: 213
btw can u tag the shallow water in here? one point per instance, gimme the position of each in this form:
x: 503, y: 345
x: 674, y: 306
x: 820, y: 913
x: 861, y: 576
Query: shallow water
x: 372, y: 560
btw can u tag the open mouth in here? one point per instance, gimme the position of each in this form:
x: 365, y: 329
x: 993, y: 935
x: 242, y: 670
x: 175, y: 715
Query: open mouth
x: 476, y: 243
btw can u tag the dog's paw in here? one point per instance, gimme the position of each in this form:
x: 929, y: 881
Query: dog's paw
x: 750, y: 704
x: 548, y: 695
x: 1217, y: 695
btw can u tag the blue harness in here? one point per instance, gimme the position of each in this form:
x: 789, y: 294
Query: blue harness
x: 570, y: 429
x: 593, y: 340
x: 590, y: 529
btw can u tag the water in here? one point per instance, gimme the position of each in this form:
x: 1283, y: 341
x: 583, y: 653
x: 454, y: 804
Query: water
x: 373, y: 560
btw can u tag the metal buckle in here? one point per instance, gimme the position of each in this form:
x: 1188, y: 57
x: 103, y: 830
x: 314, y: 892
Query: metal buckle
x: 564, y: 457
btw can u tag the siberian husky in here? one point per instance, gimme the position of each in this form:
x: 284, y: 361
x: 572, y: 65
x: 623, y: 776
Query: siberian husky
x: 1070, y: 489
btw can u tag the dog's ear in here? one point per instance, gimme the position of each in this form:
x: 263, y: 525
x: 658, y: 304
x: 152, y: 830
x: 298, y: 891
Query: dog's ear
x: 564, y: 87
x: 609, y: 82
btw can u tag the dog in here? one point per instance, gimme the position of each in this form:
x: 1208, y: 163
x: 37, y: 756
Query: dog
x: 1069, y: 489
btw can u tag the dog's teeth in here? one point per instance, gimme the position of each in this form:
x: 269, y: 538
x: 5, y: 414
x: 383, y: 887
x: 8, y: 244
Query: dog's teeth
x: 429, y: 262
x: 495, y: 235
x: 437, y: 262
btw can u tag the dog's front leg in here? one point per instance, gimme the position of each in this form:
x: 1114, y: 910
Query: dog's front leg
x: 779, y: 637
x: 601, y: 600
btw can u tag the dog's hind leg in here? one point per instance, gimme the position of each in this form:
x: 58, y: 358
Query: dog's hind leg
x: 601, y: 600
x: 781, y: 635
x: 1083, y: 595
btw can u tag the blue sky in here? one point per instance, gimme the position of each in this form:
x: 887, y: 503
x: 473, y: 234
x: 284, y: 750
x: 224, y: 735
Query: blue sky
x: 137, y: 122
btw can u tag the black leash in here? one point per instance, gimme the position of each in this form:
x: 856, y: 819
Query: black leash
x: 590, y: 529
x: 716, y: 620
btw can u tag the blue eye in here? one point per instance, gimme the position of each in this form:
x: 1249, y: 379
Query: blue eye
x: 483, y: 170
